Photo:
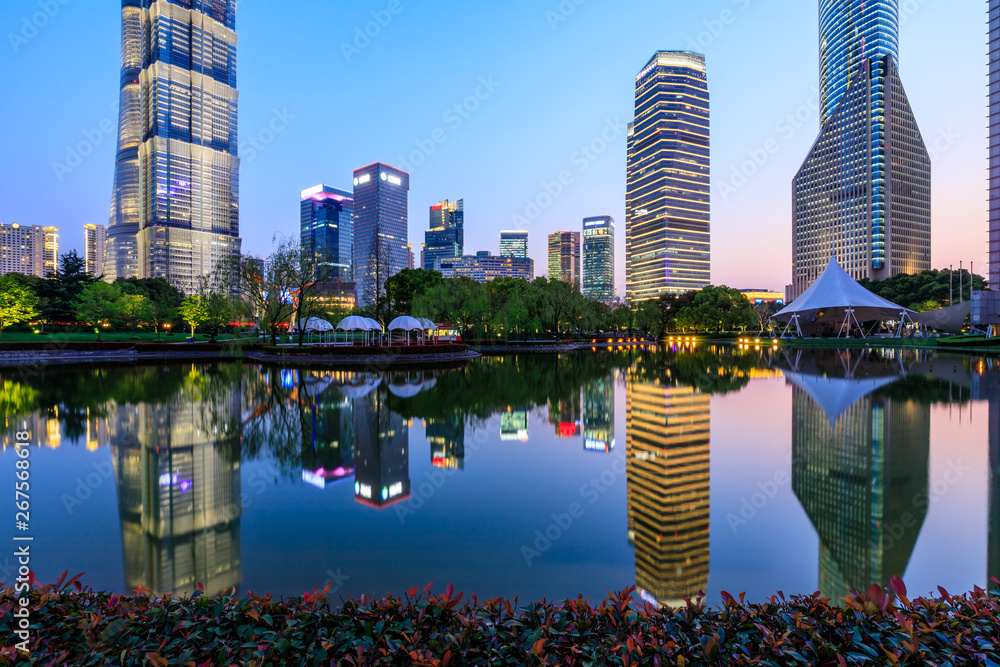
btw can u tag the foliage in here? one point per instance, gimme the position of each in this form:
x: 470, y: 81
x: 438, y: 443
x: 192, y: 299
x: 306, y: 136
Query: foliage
x: 17, y: 302
x: 909, y: 290
x: 134, y: 309
x: 882, y: 626
x: 218, y: 313
x: 98, y: 304
x: 403, y: 288
x: 60, y: 293
x: 718, y: 309
x: 194, y: 311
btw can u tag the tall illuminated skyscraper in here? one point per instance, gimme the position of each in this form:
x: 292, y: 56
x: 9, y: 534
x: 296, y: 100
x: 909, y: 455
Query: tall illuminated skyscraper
x: 667, y: 194
x: 326, y: 231
x: 514, y: 243
x: 863, y: 194
x: 445, y: 236
x: 994, y: 57
x: 564, y: 257
x: 176, y: 192
x: 380, y: 228
x: 667, y: 456
x: 598, y: 276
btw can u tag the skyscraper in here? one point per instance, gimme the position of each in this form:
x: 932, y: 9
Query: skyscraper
x: 94, y: 241
x: 599, y: 258
x: 31, y: 250
x: 177, y: 170
x: 514, y: 243
x: 863, y: 193
x: 994, y: 97
x: 327, y: 231
x: 445, y: 237
x: 564, y: 257
x: 121, y: 255
x: 667, y: 214
x: 380, y: 228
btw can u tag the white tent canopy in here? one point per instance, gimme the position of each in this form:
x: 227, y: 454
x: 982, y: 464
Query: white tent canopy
x: 427, y: 324
x: 837, y: 298
x: 406, y: 323
x: 312, y: 324
x: 355, y: 323
x: 374, y: 324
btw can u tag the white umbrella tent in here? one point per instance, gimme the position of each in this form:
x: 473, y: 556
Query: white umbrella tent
x: 313, y: 325
x: 355, y: 323
x: 837, y: 299
x: 407, y: 324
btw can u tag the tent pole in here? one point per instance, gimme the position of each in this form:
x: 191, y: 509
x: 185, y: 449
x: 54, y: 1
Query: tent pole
x: 860, y: 328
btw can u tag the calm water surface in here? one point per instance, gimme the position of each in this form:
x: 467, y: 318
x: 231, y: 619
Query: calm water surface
x: 677, y: 471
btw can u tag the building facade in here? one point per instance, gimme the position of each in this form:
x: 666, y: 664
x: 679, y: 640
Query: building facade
x: 94, y: 243
x: 326, y: 231
x: 514, y: 243
x: 667, y: 200
x: 445, y: 236
x: 564, y: 257
x: 380, y: 228
x: 29, y: 249
x: 994, y: 62
x: 863, y: 193
x: 176, y: 191
x: 484, y: 267
x: 598, y: 276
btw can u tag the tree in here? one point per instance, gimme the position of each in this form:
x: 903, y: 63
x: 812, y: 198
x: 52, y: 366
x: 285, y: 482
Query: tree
x: 134, y: 309
x: 98, y: 304
x: 719, y: 308
x: 260, y: 287
x: 373, y: 277
x: 194, y: 311
x: 908, y: 290
x: 402, y: 288
x: 60, y: 292
x: 218, y: 313
x: 17, y: 302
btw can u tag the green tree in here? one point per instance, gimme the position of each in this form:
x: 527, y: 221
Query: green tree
x: 218, y: 313
x: 718, y: 308
x: 59, y: 293
x: 98, y: 304
x: 134, y: 309
x: 908, y: 290
x: 405, y: 286
x: 17, y: 302
x: 194, y: 311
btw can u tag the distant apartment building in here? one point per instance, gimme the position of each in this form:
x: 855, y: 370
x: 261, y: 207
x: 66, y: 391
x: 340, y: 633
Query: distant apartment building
x: 32, y: 250
x: 598, y: 277
x: 326, y: 231
x: 445, y: 235
x: 564, y: 257
x: 758, y: 296
x: 514, y: 243
x: 94, y: 239
x: 484, y: 267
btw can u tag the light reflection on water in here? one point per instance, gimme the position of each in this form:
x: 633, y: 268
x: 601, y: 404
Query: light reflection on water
x: 677, y: 471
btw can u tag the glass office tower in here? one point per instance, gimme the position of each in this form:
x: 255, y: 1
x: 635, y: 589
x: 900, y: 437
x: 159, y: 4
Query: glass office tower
x: 667, y: 215
x: 514, y: 243
x: 994, y: 27
x: 445, y: 236
x: 863, y: 195
x: 327, y: 232
x: 599, y: 258
x: 380, y: 228
x: 121, y: 259
x: 564, y: 257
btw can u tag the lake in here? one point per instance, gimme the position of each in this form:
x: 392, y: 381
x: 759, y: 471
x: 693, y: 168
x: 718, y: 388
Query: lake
x: 677, y: 470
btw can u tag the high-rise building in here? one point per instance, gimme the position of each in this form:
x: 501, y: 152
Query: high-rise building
x: 667, y: 455
x: 445, y: 237
x: 121, y: 257
x: 564, y: 257
x: 859, y: 468
x: 326, y: 230
x: 514, y: 243
x: 484, y: 267
x: 32, y: 250
x: 176, y: 191
x: 994, y: 85
x: 94, y: 241
x: 863, y: 194
x: 667, y: 213
x: 380, y: 228
x: 598, y: 277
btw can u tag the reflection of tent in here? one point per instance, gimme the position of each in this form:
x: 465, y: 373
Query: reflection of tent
x: 406, y: 390
x: 835, y: 395
x: 360, y: 389
x: 312, y: 324
x: 836, y: 298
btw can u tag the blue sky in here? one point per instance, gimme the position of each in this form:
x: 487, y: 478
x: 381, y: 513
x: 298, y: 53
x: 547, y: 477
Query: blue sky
x: 543, y: 88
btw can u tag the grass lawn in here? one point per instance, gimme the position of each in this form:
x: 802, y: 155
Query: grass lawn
x: 86, y: 337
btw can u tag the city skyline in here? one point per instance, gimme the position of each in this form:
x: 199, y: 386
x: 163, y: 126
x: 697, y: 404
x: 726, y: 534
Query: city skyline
x: 748, y: 217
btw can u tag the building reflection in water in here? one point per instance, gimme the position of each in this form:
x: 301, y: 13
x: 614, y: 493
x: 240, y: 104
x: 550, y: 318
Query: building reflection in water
x: 564, y: 416
x: 860, y: 470
x: 667, y: 453
x: 381, y: 455
x: 599, y: 415
x: 178, y: 493
x: 514, y: 424
x: 446, y: 437
x: 987, y: 385
x: 327, y: 434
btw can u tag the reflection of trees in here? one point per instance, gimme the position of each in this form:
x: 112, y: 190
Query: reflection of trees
x: 711, y: 370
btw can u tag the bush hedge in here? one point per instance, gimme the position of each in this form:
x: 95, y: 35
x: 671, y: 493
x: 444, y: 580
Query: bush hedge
x: 881, y: 627
x: 364, y: 351
x: 57, y: 346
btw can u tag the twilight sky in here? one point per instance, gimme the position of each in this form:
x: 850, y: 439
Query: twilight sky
x: 492, y: 103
